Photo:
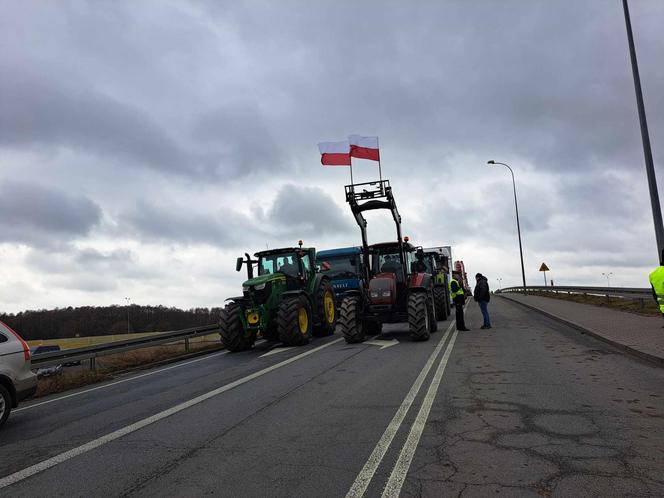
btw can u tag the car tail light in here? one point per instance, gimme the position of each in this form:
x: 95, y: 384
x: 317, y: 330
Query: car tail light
x: 26, y: 348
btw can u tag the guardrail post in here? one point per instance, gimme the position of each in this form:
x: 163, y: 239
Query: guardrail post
x: 187, y: 348
x: 93, y: 363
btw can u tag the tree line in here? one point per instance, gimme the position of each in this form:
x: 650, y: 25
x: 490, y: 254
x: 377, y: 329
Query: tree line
x: 87, y: 321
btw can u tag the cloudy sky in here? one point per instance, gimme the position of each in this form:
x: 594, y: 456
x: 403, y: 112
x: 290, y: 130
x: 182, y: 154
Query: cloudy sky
x: 144, y: 145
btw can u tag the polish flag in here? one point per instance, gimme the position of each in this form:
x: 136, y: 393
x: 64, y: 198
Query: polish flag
x: 364, y: 147
x: 334, y: 153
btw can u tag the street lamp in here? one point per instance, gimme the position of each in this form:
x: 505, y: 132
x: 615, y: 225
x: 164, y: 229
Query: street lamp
x: 500, y: 284
x: 645, y: 138
x: 518, y: 226
x: 607, y: 275
x: 127, y: 301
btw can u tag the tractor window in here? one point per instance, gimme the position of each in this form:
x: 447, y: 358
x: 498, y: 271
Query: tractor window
x: 287, y: 264
x: 389, y: 263
x: 306, y: 262
x: 342, y: 267
x: 266, y: 266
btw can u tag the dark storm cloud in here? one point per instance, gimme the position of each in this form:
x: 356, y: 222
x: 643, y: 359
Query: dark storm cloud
x: 37, y: 215
x: 39, y: 112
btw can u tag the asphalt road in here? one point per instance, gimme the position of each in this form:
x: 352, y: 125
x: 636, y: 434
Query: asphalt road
x: 529, y: 408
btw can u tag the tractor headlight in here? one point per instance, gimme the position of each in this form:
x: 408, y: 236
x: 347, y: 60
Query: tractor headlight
x: 259, y: 287
x: 245, y: 288
x: 375, y: 294
x: 387, y: 293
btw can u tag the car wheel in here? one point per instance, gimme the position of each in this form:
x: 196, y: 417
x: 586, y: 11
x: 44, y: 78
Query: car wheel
x: 5, y: 404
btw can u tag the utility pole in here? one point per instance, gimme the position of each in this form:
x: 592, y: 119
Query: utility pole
x: 645, y: 137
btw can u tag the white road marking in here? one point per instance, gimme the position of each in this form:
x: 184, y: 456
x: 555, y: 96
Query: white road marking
x: 96, y: 443
x: 382, y: 343
x: 398, y: 475
x: 366, y: 474
x: 276, y: 350
x: 111, y: 384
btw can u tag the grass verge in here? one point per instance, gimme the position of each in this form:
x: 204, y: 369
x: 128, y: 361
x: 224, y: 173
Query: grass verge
x: 649, y: 307
x: 108, y: 366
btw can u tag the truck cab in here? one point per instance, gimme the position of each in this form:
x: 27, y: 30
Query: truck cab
x: 343, y: 267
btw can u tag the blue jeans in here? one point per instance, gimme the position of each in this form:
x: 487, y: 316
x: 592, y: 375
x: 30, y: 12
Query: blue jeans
x: 484, y: 306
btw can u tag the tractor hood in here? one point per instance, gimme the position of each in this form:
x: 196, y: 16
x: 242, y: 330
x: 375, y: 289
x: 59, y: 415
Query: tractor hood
x: 263, y: 279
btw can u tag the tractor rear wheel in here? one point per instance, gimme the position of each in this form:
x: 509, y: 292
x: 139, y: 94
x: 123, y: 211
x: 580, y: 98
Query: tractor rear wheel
x: 440, y: 301
x: 418, y: 316
x: 350, y: 320
x: 326, y: 310
x: 232, y: 333
x: 294, y: 320
x: 433, y: 317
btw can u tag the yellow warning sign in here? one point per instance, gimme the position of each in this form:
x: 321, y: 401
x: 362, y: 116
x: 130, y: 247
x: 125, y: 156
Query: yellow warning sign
x: 544, y: 267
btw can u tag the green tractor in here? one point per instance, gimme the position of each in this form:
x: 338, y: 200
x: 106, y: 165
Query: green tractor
x: 288, y: 301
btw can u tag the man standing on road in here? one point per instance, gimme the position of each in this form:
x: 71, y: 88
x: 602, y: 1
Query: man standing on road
x: 459, y: 298
x: 483, y: 296
x: 657, y: 285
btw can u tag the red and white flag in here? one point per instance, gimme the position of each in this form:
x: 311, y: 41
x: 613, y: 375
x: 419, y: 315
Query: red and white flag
x: 364, y: 147
x: 334, y: 153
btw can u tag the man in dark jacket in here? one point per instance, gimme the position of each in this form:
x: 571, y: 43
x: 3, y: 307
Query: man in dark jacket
x: 482, y: 296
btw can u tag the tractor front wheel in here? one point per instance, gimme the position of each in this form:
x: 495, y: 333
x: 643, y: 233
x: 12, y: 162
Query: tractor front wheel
x: 231, y: 330
x: 418, y: 316
x: 440, y: 301
x: 326, y: 310
x: 350, y: 320
x: 294, y: 320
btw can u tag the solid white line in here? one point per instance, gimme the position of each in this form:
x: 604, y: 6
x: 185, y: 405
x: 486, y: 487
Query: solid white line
x: 111, y: 384
x: 366, y: 474
x: 398, y: 475
x: 63, y: 457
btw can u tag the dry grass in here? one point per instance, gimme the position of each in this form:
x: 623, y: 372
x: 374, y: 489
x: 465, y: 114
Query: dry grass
x: 107, y: 366
x: 649, y: 307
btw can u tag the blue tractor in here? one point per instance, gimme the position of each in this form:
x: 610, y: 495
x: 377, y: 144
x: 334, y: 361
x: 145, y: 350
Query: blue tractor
x: 343, y: 267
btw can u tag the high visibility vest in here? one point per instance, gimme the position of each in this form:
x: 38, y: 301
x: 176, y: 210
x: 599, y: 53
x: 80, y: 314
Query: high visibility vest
x: 657, y: 281
x: 460, y: 292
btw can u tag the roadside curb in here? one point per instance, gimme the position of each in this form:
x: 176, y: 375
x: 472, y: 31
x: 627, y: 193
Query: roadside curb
x: 658, y: 360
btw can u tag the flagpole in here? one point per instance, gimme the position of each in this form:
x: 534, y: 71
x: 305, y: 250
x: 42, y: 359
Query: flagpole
x: 380, y: 172
x: 351, y: 170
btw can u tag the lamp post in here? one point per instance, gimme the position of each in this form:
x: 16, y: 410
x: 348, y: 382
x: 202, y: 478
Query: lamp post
x: 645, y: 138
x: 500, y: 283
x: 607, y: 275
x: 518, y: 226
x: 127, y: 300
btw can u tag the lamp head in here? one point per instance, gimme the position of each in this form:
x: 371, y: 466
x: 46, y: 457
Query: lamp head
x: 491, y: 162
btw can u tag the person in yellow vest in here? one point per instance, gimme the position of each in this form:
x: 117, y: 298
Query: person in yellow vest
x: 657, y: 284
x: 459, y: 297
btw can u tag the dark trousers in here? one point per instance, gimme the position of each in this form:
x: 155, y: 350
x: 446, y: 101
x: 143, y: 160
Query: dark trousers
x: 484, y: 307
x: 460, y: 323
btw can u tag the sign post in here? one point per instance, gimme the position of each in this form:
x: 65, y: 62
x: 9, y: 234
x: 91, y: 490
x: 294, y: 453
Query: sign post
x: 545, y: 269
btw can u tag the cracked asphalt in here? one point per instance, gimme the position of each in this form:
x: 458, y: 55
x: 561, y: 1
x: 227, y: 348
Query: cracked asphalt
x: 528, y: 408
x: 534, y: 408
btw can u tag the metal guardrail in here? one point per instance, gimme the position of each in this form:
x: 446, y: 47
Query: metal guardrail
x: 631, y: 293
x: 93, y: 352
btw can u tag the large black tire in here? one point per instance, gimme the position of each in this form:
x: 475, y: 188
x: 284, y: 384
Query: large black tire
x: 433, y: 318
x: 350, y: 320
x: 232, y: 333
x: 418, y: 316
x: 5, y: 404
x: 294, y: 321
x: 441, y: 303
x: 326, y: 310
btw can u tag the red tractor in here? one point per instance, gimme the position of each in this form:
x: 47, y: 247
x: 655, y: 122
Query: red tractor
x: 395, y: 286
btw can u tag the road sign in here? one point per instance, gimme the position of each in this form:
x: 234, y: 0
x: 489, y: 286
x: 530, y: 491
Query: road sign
x: 544, y: 267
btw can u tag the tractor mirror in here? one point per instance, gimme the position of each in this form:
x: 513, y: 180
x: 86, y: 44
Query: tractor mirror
x: 238, y: 264
x: 325, y: 266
